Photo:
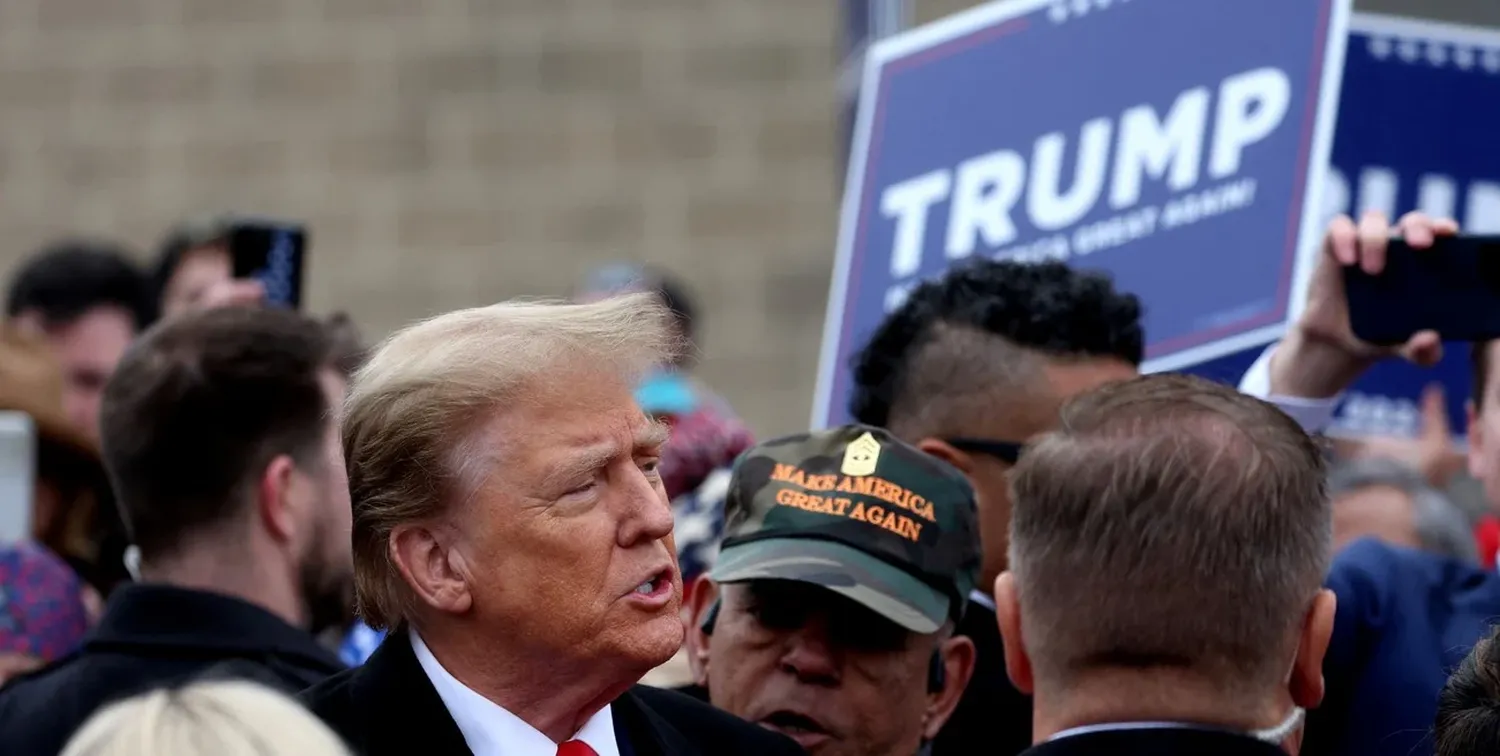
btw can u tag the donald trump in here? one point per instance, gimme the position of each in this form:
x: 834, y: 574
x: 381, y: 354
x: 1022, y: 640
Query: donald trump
x: 512, y: 533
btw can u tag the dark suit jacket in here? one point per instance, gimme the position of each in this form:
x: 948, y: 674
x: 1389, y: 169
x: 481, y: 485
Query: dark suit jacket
x: 388, y: 707
x: 991, y: 711
x: 152, y: 636
x: 1405, y: 619
x: 1162, y: 741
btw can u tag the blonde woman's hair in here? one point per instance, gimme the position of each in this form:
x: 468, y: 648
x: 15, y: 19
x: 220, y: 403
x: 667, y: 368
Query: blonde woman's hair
x: 413, y: 420
x: 227, y: 718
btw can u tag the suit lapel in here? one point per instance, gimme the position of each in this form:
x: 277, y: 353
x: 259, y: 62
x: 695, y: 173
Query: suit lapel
x: 404, y: 711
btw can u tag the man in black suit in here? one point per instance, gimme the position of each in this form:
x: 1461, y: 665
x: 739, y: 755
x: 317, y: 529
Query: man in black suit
x: 829, y: 613
x: 968, y: 369
x: 1164, y: 595
x: 220, y: 432
x: 512, y: 532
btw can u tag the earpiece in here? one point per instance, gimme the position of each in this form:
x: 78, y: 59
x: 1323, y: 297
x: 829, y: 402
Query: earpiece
x: 937, y: 672
x: 710, y: 619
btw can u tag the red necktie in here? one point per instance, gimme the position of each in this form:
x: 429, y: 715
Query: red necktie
x: 575, y: 748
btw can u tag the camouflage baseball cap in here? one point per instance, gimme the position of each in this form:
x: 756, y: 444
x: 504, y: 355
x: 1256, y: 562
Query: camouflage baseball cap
x: 856, y: 511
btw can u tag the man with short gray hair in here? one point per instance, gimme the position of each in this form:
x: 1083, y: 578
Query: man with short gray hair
x: 1385, y: 499
x: 1164, y: 592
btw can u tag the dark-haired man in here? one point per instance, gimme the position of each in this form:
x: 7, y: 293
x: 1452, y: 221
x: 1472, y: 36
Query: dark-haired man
x: 968, y: 369
x: 90, y: 301
x: 220, y: 433
x: 848, y: 558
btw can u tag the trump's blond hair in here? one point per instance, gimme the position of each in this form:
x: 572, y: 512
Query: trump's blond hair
x: 415, y: 412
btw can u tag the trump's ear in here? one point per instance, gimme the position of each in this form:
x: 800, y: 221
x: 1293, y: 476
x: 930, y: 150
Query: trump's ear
x: 435, y: 572
x: 700, y: 619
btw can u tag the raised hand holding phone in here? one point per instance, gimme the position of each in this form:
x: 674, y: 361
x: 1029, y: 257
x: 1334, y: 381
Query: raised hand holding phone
x: 271, y: 254
x: 1321, y: 355
x: 1452, y: 288
x: 265, y: 262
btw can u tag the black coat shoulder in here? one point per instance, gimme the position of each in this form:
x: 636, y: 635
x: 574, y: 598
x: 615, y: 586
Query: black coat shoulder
x: 712, y: 730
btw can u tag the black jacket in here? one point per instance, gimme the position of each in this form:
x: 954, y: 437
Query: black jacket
x: 152, y: 636
x: 1156, y: 741
x: 388, y: 707
x: 991, y: 711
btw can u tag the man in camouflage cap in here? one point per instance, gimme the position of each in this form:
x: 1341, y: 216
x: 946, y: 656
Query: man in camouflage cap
x: 848, y: 557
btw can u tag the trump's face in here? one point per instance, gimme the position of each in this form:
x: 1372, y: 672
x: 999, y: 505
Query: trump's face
x: 568, y: 541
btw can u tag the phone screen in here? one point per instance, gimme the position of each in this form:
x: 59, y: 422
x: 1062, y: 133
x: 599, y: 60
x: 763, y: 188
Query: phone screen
x: 272, y: 253
x: 17, y: 475
x: 1453, y: 288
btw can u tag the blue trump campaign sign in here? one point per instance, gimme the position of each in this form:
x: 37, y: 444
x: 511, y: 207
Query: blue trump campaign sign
x: 1418, y: 118
x: 1169, y: 142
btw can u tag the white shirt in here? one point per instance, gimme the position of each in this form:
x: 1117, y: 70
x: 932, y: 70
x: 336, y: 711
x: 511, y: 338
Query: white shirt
x: 490, y: 730
x: 981, y: 598
x: 1118, y: 726
x: 1271, y: 735
x: 1314, y: 415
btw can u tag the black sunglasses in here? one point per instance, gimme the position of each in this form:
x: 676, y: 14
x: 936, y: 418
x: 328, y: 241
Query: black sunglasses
x: 1005, y: 451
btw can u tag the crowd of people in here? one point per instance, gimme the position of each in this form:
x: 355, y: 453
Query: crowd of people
x: 527, y: 528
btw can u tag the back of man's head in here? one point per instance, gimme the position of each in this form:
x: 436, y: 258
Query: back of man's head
x: 197, y: 410
x: 961, y: 345
x: 1169, y: 524
x: 67, y: 279
x: 1468, y: 715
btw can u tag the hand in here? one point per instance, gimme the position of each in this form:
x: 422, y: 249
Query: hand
x: 1321, y: 356
x: 1432, y: 453
x: 238, y: 292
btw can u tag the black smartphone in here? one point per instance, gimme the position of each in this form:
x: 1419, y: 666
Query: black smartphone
x: 1452, y: 287
x: 273, y: 253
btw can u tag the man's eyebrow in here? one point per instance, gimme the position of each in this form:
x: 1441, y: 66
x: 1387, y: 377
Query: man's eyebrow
x: 578, y: 464
x: 652, y: 436
x: 583, y: 461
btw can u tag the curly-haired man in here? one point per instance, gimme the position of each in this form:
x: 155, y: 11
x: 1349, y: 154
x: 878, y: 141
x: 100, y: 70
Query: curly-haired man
x: 968, y: 369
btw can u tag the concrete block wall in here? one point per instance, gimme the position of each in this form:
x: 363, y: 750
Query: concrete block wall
x: 454, y: 152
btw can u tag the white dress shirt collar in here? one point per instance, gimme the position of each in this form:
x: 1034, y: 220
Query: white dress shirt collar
x: 1271, y: 735
x: 490, y: 730
x: 1117, y: 726
x: 981, y: 598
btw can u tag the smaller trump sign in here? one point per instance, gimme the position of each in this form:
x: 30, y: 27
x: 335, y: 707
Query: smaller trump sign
x: 1418, y: 115
x: 1168, y: 142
